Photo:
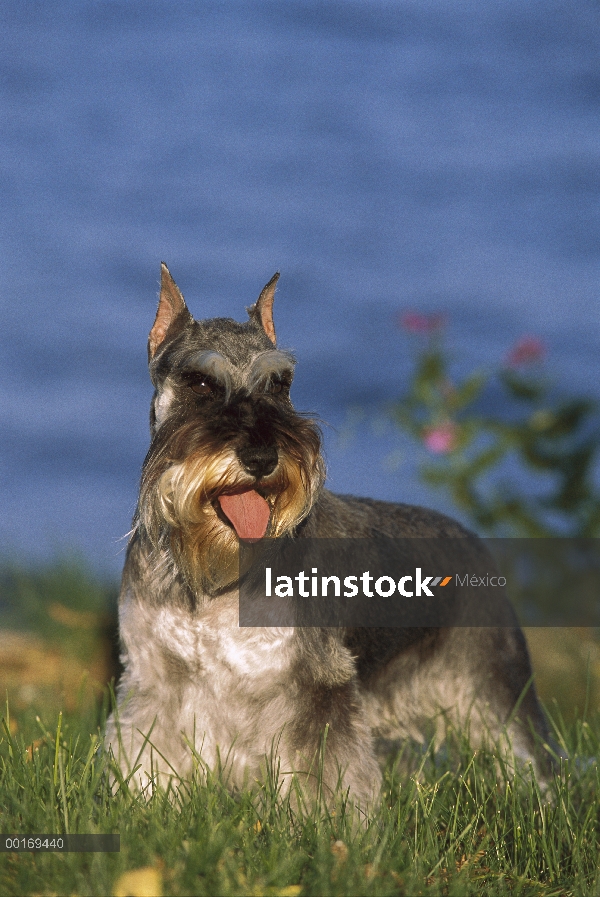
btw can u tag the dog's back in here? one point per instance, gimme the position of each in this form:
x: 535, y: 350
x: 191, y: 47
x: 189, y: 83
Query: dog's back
x: 417, y: 680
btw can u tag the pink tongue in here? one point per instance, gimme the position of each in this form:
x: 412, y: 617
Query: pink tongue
x: 248, y: 512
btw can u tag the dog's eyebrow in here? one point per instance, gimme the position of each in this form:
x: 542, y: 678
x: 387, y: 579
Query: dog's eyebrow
x: 211, y: 363
x: 273, y: 361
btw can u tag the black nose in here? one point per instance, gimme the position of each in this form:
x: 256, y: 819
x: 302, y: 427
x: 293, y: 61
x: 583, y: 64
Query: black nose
x: 259, y: 461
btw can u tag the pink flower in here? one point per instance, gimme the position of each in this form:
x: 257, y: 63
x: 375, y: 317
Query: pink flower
x: 527, y: 350
x: 441, y: 439
x: 415, y: 322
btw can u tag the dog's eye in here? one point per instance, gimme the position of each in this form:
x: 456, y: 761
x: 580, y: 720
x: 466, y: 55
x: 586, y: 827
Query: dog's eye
x: 277, y: 385
x: 202, y: 388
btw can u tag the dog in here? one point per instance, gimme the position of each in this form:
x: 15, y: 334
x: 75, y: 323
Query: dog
x: 231, y: 462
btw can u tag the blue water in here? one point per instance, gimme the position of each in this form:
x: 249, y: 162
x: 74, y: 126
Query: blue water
x: 381, y: 155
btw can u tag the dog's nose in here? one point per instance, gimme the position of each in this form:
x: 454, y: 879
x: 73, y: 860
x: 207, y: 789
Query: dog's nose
x: 259, y: 461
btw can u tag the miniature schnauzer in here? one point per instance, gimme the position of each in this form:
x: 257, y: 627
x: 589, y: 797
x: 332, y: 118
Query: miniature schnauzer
x: 230, y: 460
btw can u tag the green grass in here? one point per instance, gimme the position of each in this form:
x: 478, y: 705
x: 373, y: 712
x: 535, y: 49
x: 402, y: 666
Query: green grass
x: 453, y: 827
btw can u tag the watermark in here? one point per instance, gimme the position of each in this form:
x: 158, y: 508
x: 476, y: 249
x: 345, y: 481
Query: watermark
x: 60, y: 843
x: 478, y: 582
x: 384, y: 586
x: 383, y: 582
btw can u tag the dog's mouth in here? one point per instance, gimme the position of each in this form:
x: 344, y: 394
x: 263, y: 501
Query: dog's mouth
x: 247, y: 511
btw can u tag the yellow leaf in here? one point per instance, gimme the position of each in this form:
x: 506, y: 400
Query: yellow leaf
x: 340, y: 851
x: 146, y: 882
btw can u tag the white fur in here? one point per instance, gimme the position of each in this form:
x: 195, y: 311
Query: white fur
x: 261, y: 368
x: 162, y: 403
x: 223, y: 675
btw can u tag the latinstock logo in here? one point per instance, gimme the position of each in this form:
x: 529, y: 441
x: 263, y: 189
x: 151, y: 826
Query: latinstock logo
x: 384, y: 586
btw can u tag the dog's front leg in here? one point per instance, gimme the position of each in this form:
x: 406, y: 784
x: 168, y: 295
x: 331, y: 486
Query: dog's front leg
x: 329, y: 736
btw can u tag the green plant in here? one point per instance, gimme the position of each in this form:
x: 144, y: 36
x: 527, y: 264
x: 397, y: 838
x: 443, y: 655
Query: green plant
x: 457, y: 824
x: 516, y: 456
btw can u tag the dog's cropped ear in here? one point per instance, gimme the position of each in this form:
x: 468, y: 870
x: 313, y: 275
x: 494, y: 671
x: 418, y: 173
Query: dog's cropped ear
x: 171, y: 307
x: 262, y: 310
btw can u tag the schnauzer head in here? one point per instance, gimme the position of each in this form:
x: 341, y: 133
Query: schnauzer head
x: 230, y: 458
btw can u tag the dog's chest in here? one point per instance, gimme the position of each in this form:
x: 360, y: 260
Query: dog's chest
x: 207, y: 649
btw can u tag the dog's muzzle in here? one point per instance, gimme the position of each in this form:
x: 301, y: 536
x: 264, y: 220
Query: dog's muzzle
x: 259, y: 461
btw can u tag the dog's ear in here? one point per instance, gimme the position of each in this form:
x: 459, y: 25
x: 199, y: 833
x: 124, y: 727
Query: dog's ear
x: 262, y: 310
x: 171, y: 308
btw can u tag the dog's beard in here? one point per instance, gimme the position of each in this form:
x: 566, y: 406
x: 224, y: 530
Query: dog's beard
x: 179, y: 509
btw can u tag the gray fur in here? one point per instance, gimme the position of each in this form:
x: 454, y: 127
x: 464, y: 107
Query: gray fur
x: 192, y: 676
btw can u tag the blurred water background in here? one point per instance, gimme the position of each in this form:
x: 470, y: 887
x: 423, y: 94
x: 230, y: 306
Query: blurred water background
x: 384, y: 156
